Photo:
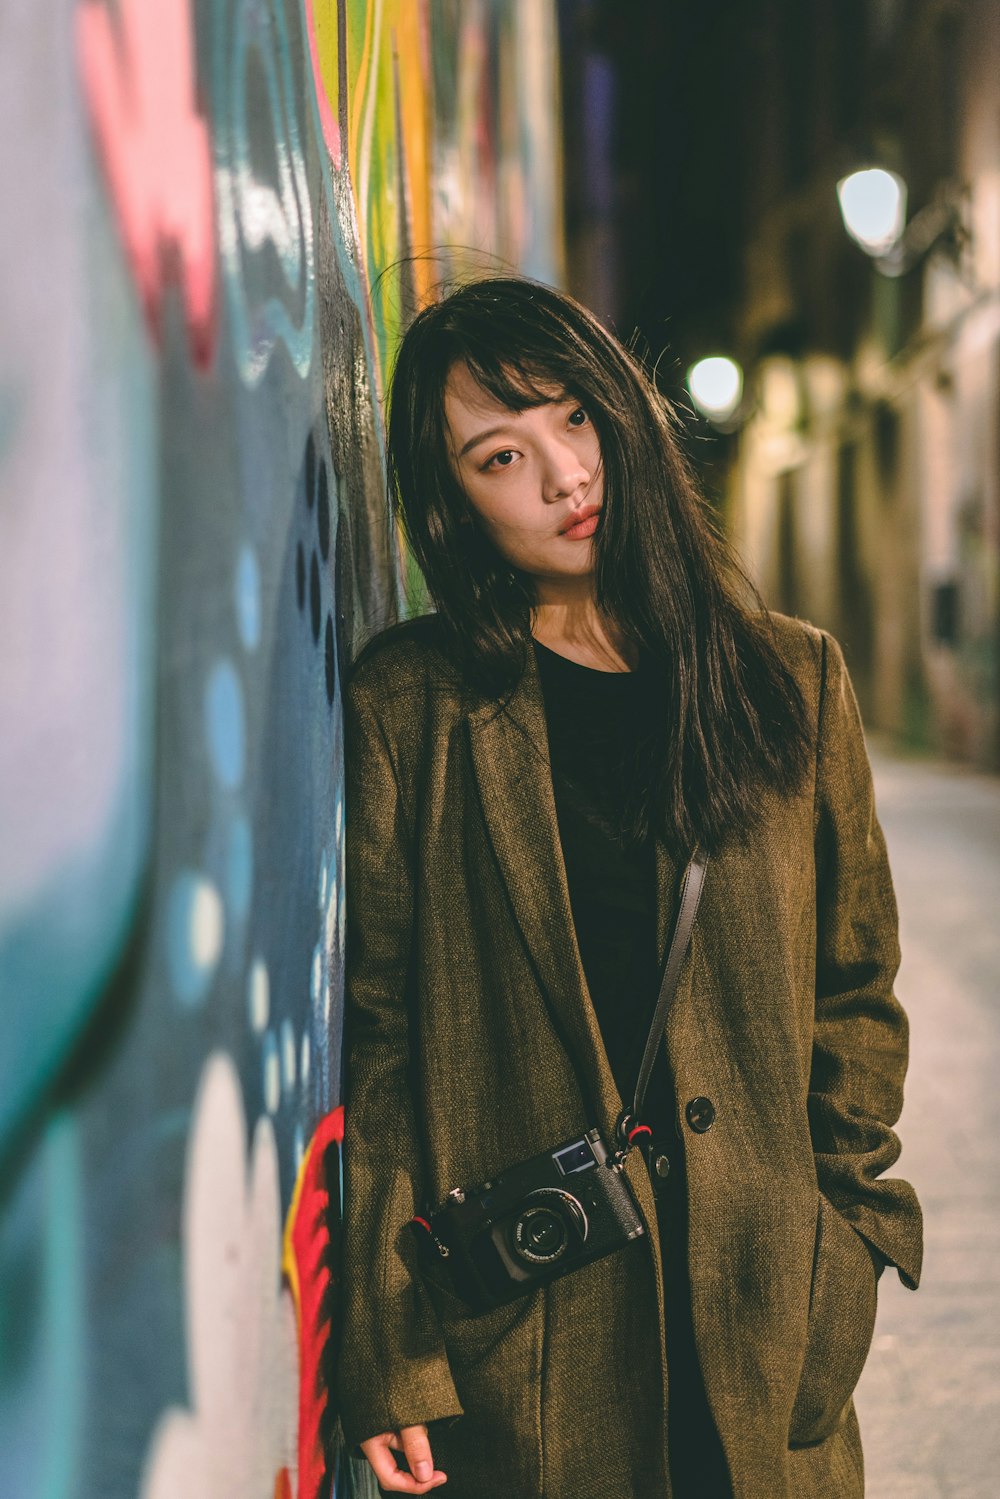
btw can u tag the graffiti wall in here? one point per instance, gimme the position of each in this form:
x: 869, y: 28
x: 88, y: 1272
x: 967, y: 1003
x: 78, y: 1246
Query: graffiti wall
x: 220, y: 214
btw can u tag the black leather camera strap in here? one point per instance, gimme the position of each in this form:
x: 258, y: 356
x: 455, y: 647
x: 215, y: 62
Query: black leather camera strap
x: 444, y: 1233
x: 691, y: 888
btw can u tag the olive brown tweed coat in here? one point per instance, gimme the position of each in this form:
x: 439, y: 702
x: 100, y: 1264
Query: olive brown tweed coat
x: 473, y: 1044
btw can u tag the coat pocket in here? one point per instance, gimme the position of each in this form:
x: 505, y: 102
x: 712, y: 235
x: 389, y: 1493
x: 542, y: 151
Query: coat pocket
x: 842, y: 1305
x: 471, y: 1337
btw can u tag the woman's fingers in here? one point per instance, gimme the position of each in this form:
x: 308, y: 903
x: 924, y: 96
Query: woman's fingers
x: 417, y: 1449
x: 413, y: 1442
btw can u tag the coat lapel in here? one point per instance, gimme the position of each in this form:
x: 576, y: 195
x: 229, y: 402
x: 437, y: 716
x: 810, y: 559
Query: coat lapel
x: 510, y: 756
x: 511, y: 760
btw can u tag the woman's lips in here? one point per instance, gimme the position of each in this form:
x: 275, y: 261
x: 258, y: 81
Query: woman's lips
x: 582, y: 528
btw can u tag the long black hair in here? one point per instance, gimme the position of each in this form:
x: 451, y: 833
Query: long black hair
x: 728, y: 718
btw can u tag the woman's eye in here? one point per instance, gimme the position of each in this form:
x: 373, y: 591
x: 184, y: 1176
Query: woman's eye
x: 578, y: 417
x: 503, y: 459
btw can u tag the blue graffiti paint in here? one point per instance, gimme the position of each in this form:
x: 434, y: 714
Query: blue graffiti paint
x: 289, y: 1058
x: 316, y: 977
x: 63, y: 1275
x: 271, y: 1073
x: 194, y: 930
x: 259, y: 997
x: 42, y: 1352
x: 239, y: 868
x: 224, y: 724
x: 248, y: 597
x: 253, y: 212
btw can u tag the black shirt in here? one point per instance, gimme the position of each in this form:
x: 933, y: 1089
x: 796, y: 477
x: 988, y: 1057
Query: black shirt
x: 594, y: 720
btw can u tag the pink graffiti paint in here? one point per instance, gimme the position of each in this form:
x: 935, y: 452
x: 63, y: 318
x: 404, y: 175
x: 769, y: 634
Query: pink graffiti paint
x: 139, y: 80
x: 306, y: 1261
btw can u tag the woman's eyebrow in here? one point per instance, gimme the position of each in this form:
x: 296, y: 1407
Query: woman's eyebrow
x: 481, y: 437
x: 561, y: 399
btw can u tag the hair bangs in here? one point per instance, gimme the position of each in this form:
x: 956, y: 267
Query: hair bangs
x: 513, y: 382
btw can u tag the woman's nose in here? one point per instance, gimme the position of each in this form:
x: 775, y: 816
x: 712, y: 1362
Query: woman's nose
x: 564, y: 473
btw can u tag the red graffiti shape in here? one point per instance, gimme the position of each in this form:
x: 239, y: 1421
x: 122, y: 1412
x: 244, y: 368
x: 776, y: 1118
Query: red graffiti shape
x: 139, y: 78
x: 306, y: 1261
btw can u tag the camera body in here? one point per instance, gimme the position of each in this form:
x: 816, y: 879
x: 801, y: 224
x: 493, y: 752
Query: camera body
x: 536, y: 1221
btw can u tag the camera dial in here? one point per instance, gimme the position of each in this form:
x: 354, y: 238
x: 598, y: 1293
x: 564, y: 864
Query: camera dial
x: 541, y: 1231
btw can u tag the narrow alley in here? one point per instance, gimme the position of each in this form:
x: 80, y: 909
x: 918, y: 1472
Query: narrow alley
x: 929, y: 1400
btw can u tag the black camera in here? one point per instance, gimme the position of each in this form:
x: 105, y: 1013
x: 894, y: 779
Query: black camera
x: 536, y: 1221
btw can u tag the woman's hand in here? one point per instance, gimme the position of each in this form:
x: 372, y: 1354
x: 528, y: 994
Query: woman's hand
x: 412, y: 1442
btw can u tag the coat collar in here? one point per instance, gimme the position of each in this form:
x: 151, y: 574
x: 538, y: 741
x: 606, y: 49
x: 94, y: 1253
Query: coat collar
x: 510, y: 756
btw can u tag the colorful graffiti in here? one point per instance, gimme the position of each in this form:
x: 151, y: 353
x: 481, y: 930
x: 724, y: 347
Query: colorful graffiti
x: 447, y: 109
x: 238, y: 1434
x: 79, y: 522
x: 264, y: 221
x: 253, y: 1339
x: 140, y: 84
x: 309, y: 1263
x: 194, y: 540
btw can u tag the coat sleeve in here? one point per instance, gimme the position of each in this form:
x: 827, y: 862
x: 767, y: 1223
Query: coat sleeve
x: 860, y: 1042
x: 391, y: 1365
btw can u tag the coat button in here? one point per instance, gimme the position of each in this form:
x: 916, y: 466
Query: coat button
x: 700, y: 1114
x: 662, y: 1165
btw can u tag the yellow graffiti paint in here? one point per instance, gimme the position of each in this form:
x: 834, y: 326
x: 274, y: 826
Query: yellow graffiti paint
x: 324, y: 44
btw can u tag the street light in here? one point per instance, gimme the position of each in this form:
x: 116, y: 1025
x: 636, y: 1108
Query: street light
x: 716, y: 386
x: 873, y: 207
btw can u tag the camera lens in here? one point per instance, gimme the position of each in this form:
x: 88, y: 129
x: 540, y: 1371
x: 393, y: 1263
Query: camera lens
x: 540, y: 1235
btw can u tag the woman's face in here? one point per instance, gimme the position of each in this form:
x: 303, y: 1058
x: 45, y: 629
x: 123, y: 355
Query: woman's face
x: 532, y: 476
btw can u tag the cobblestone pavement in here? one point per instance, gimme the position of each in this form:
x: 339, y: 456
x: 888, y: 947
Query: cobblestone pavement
x: 929, y: 1400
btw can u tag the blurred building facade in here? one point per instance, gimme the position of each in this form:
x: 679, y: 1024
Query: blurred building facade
x: 864, y: 490
x: 860, y: 475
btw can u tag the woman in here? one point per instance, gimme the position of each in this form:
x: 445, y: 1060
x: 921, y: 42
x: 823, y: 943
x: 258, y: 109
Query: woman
x: 598, y: 694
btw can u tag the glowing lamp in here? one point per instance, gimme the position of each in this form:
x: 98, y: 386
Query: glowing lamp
x: 873, y: 207
x: 716, y: 386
